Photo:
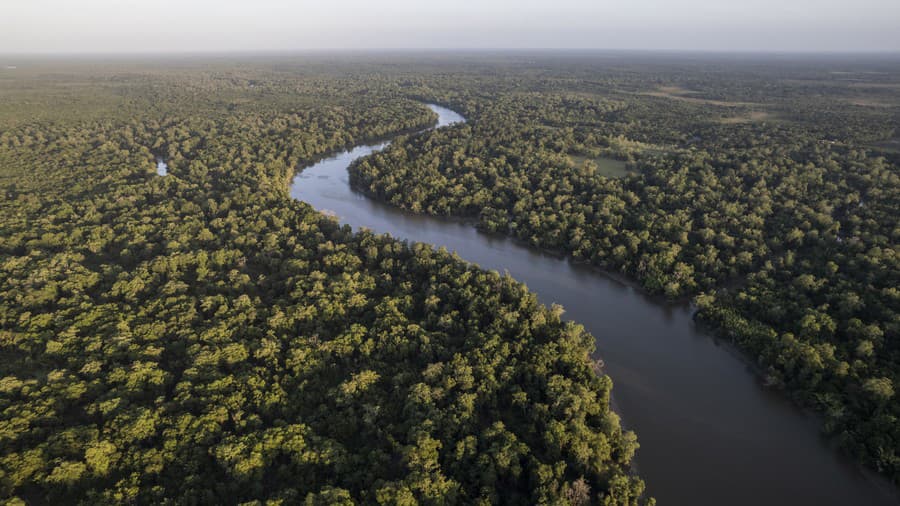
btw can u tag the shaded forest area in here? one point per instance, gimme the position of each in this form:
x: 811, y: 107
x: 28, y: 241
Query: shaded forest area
x: 766, y: 189
x: 201, y: 338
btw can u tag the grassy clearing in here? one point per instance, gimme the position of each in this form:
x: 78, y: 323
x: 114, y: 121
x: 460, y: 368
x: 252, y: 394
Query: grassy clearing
x: 682, y: 94
x: 750, y: 117
x: 608, y: 167
x: 890, y: 145
x: 872, y: 102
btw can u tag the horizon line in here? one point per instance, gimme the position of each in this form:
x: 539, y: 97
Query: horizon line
x: 197, y: 52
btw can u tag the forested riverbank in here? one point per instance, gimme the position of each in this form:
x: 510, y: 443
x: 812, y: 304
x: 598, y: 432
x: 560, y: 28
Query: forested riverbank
x: 759, y: 190
x: 203, y: 338
x: 676, y: 386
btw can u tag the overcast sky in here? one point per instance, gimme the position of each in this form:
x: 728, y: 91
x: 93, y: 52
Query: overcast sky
x: 28, y: 26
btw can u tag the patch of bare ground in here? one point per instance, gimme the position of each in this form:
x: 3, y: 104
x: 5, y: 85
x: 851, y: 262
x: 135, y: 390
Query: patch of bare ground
x: 750, y: 117
x: 890, y: 145
x: 683, y: 94
x: 871, y: 102
x: 879, y: 86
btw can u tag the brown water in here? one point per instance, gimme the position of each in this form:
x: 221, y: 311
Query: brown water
x: 710, y: 434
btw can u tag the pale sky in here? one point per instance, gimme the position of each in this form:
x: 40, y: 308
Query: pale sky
x: 123, y: 26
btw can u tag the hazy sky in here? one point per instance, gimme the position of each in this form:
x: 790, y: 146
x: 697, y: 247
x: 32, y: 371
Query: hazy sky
x: 214, y: 25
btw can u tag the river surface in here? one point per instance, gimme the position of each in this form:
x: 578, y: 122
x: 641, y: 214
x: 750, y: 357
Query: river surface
x: 710, y: 434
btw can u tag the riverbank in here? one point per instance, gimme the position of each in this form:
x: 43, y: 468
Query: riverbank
x: 709, y: 432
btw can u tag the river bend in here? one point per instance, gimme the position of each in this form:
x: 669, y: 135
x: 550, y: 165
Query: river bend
x: 710, y: 433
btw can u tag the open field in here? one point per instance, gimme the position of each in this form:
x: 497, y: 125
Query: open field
x: 608, y: 167
x: 682, y: 94
x: 750, y: 117
x: 890, y: 145
x: 872, y: 102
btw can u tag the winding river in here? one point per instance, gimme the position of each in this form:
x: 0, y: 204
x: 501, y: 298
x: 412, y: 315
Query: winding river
x: 710, y: 434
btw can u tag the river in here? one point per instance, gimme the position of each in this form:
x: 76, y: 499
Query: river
x: 710, y: 433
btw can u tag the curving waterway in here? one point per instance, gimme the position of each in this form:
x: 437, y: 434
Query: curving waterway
x: 710, y: 434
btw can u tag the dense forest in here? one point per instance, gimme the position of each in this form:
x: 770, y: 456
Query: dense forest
x: 768, y: 191
x: 201, y: 338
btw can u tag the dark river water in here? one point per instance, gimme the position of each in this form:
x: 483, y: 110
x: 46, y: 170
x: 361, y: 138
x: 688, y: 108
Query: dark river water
x: 710, y: 434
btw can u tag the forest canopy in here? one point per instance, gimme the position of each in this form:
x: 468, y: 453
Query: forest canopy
x: 768, y: 191
x: 201, y: 338
x: 204, y: 338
